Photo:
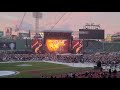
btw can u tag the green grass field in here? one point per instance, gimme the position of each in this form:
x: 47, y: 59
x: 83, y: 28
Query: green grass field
x: 37, y: 69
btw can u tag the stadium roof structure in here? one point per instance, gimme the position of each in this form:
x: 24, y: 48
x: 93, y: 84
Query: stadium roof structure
x: 68, y: 31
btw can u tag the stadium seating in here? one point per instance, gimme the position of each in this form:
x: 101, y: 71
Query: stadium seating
x: 112, y: 47
x: 21, y: 44
x: 92, y: 46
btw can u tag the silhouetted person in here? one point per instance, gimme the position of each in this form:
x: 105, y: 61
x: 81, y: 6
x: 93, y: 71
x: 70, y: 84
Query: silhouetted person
x: 114, y: 76
x: 98, y: 65
x: 67, y: 76
x: 51, y: 77
x: 115, y: 72
x: 74, y: 75
x: 101, y: 69
x: 110, y: 71
x: 42, y: 77
x: 109, y: 76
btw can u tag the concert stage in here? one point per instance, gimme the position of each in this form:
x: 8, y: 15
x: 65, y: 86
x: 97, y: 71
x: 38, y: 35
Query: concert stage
x: 53, y: 42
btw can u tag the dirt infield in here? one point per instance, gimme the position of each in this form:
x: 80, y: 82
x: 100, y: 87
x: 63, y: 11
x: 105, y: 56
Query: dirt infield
x: 44, y: 69
x: 39, y: 73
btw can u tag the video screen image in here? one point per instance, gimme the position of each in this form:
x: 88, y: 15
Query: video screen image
x: 37, y: 46
x: 77, y: 46
x: 54, y: 45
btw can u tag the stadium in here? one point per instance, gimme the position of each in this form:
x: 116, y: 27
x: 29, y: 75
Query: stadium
x: 57, y: 54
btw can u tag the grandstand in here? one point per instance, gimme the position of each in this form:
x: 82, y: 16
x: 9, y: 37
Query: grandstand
x: 21, y: 44
x: 93, y: 46
x: 112, y: 46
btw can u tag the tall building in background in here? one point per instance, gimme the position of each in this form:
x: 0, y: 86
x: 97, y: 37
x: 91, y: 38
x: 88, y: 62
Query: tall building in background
x: 8, y: 32
x: 116, y: 37
x: 109, y: 38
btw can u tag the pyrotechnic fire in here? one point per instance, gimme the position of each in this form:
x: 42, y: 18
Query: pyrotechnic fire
x: 54, y: 45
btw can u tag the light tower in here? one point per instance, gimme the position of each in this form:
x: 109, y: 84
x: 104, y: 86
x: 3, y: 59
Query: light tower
x: 37, y: 16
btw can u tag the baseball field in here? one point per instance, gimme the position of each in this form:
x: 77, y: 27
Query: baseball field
x: 37, y: 69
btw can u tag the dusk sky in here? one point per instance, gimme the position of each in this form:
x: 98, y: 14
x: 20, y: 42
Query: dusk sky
x: 110, y: 21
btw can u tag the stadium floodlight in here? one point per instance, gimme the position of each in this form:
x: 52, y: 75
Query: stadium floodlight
x: 37, y: 16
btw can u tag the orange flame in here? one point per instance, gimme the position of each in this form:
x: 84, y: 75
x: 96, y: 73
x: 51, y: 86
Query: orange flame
x: 54, y: 45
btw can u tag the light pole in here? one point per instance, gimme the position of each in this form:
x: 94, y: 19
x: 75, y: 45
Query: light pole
x: 37, y: 16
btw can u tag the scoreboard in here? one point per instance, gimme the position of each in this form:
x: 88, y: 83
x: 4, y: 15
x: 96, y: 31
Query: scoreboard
x: 91, y: 34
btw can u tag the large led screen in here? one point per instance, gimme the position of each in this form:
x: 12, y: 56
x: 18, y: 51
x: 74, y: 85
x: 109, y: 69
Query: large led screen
x: 57, y: 45
x: 37, y: 46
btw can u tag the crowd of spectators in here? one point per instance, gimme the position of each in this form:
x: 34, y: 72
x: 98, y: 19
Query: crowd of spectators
x: 88, y: 74
x: 103, y: 58
x: 91, y: 58
x: 20, y: 57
